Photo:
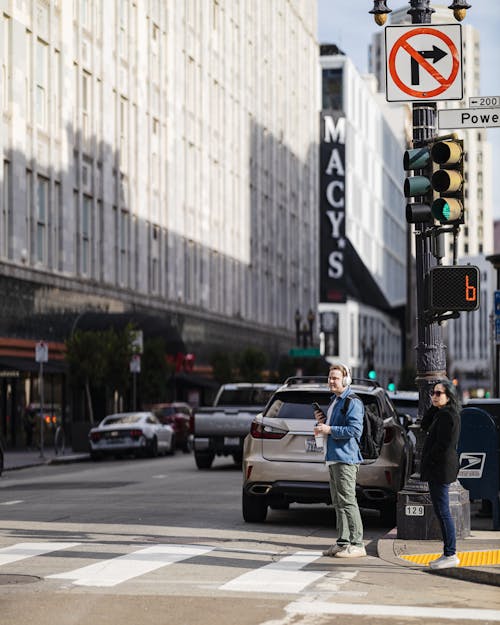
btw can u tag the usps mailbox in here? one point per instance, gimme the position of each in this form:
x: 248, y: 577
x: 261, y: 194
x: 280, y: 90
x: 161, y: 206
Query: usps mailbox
x: 479, y: 453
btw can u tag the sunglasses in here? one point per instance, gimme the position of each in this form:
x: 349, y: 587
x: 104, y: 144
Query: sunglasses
x: 438, y: 393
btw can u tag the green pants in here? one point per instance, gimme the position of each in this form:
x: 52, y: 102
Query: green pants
x: 343, y: 492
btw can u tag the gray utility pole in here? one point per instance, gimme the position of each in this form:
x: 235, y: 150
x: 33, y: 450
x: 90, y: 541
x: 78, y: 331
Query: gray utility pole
x: 415, y: 514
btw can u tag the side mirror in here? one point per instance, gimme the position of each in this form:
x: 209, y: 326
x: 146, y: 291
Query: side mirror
x: 405, y: 420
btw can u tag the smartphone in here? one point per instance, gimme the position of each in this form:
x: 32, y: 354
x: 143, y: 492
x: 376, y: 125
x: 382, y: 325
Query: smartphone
x: 316, y: 406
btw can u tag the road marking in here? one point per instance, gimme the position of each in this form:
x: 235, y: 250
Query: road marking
x: 467, y: 558
x: 21, y: 551
x: 11, y: 503
x: 284, y: 576
x: 118, y: 570
x: 325, y: 608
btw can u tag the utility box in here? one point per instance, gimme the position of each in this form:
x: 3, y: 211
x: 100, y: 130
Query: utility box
x: 479, y: 453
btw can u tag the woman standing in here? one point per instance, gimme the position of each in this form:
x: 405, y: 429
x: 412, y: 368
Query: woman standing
x: 439, y: 464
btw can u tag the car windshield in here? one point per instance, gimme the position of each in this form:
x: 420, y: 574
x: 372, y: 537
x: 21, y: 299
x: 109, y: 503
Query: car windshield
x: 123, y: 418
x: 406, y: 406
x: 166, y: 411
x: 244, y: 397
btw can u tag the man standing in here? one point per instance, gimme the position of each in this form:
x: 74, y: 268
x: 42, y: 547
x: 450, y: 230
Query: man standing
x: 342, y: 431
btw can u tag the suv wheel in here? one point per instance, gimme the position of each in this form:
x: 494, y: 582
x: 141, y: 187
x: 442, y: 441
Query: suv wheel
x: 254, y: 508
x: 203, y: 460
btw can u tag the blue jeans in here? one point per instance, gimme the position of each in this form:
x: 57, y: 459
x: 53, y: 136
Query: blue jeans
x: 441, y: 504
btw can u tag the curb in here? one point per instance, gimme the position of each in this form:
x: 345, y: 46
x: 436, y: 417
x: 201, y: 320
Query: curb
x: 388, y: 550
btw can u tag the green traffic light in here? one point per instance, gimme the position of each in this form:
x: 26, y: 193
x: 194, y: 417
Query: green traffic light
x: 446, y: 209
x: 391, y: 386
x: 372, y: 375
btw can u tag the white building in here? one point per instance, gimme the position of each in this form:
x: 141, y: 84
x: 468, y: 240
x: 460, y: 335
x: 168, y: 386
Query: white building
x: 362, y: 221
x: 162, y: 156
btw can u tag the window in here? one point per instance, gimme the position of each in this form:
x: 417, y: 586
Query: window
x: 6, y: 60
x: 85, y: 233
x: 332, y: 89
x: 41, y: 84
x: 4, y: 205
x: 123, y: 247
x: 42, y: 205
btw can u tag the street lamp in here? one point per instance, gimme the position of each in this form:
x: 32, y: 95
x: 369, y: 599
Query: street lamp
x: 430, y: 351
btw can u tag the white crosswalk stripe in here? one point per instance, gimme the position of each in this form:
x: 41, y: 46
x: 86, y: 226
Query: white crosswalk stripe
x: 283, y: 576
x: 21, y: 551
x: 120, y: 569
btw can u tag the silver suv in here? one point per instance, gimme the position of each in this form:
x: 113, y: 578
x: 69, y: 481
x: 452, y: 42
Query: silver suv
x: 282, y: 465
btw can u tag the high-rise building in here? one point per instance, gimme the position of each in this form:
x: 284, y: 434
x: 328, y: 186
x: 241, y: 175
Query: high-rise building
x: 158, y: 157
x: 362, y: 223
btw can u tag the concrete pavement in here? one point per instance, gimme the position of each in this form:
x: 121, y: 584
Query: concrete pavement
x: 479, y: 553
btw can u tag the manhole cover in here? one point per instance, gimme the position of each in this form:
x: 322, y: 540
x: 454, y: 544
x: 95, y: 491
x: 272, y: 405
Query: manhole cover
x: 17, y: 579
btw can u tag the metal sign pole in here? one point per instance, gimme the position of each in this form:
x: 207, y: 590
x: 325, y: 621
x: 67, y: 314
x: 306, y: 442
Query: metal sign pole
x: 41, y: 409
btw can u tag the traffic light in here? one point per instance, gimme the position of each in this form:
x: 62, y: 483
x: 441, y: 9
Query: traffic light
x: 391, y: 386
x: 372, y: 374
x: 448, y: 181
x: 419, y: 185
x: 453, y: 288
x: 437, y: 184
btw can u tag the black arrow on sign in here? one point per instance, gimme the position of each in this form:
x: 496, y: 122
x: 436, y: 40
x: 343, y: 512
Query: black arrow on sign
x: 436, y: 54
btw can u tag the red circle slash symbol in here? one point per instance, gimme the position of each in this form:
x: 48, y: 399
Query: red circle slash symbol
x: 420, y: 58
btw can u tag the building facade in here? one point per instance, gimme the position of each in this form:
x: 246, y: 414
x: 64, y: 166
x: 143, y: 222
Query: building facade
x: 161, y: 157
x: 363, y: 229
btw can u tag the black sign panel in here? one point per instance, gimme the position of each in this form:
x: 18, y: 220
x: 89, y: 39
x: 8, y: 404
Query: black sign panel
x: 454, y: 288
x: 332, y: 207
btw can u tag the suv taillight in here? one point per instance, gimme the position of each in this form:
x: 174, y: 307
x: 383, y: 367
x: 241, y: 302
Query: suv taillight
x: 95, y: 437
x: 135, y: 434
x: 258, y: 430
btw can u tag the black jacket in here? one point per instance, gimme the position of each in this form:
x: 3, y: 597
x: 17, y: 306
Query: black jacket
x: 439, y: 455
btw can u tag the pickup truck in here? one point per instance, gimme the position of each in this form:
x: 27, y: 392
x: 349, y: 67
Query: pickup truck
x: 220, y: 430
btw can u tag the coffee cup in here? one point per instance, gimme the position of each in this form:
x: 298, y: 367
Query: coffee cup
x: 319, y: 438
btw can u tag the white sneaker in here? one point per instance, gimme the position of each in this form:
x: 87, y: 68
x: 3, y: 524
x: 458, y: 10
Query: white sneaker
x: 334, y: 549
x: 445, y: 562
x: 351, y: 552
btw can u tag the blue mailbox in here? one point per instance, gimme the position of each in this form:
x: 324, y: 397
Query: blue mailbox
x: 479, y: 453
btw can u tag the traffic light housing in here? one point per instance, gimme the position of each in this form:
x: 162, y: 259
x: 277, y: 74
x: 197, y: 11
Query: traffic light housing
x: 448, y: 181
x: 419, y: 185
x: 437, y: 184
x: 453, y: 288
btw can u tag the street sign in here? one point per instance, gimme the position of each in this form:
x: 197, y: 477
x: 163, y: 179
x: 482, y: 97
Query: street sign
x: 487, y: 101
x: 469, y: 118
x: 423, y: 63
x: 41, y: 352
x: 135, y: 363
x: 497, y: 330
x: 497, y: 303
x: 306, y: 352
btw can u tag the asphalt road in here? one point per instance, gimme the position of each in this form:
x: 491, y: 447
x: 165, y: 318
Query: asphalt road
x: 158, y: 541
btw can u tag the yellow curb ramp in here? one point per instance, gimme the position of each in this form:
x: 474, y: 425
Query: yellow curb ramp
x: 467, y: 558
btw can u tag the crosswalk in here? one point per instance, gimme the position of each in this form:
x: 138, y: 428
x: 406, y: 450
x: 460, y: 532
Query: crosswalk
x: 285, y: 574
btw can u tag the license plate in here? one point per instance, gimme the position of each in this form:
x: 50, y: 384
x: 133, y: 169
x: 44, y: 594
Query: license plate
x: 231, y: 440
x: 310, y: 444
x: 413, y: 510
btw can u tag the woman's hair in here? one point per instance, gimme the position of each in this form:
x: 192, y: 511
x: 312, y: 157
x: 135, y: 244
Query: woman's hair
x: 451, y: 393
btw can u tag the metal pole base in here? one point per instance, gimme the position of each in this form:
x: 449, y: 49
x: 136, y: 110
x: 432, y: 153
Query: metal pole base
x: 415, y: 515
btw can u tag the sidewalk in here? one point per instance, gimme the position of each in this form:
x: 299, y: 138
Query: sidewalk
x: 479, y: 553
x: 31, y: 458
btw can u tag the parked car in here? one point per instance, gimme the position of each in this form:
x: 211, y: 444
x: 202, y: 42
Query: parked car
x: 282, y: 465
x: 181, y: 417
x: 405, y: 402
x: 139, y: 433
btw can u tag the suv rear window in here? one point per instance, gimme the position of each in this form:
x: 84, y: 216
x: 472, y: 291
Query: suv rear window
x: 297, y: 404
x: 244, y: 397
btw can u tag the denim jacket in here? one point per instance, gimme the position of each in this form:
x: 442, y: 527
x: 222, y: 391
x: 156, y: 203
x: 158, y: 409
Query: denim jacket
x: 341, y: 443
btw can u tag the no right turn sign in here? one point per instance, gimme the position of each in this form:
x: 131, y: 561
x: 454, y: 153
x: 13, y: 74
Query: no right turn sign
x: 424, y: 62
